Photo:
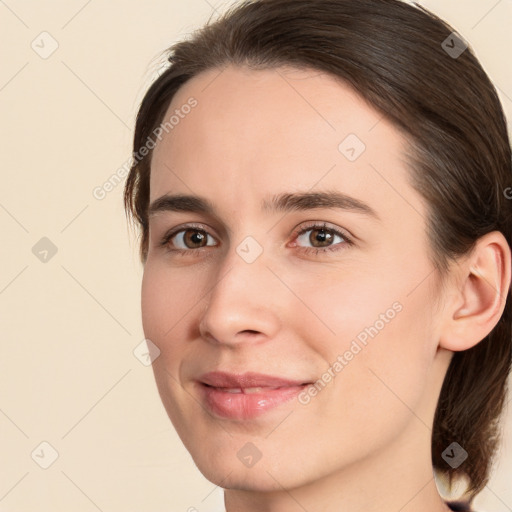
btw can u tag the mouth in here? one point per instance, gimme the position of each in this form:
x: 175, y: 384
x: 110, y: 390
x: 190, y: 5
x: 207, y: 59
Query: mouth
x: 246, y: 391
x: 246, y: 396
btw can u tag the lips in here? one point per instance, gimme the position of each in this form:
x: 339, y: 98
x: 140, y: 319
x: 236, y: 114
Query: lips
x: 246, y: 391
x: 246, y: 380
x: 246, y: 396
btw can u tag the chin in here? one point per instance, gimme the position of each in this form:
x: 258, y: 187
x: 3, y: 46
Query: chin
x: 232, y: 476
x: 270, y: 473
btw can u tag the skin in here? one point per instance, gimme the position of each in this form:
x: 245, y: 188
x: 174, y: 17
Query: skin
x: 363, y: 442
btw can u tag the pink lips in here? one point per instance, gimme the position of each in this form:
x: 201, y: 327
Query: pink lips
x: 247, y: 395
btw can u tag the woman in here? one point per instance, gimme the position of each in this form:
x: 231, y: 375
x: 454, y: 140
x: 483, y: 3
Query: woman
x: 321, y: 189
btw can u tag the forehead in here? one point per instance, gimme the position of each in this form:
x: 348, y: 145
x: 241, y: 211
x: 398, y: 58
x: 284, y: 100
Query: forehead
x: 252, y: 134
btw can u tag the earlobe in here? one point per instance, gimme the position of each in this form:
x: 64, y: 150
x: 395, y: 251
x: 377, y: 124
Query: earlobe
x: 482, y: 294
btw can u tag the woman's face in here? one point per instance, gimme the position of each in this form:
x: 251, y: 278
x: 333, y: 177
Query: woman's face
x: 331, y: 290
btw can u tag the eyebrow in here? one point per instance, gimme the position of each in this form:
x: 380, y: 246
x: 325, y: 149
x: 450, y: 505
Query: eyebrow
x: 284, y: 202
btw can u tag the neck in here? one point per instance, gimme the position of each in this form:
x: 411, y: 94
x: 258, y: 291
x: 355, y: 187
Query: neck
x: 398, y: 478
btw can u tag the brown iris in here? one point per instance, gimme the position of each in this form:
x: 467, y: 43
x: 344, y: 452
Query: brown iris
x: 323, y: 236
x: 196, y: 237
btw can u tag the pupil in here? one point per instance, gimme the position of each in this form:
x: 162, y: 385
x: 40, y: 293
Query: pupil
x: 322, y: 236
x: 197, y: 237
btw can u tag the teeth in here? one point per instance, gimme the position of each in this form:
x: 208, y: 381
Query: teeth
x: 232, y: 390
x: 254, y: 390
x: 246, y: 390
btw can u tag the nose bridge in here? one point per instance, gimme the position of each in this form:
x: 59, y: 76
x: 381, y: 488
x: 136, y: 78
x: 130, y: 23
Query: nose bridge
x: 242, y: 296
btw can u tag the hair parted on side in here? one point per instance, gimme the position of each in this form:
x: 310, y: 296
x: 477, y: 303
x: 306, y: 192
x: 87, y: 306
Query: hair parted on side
x: 391, y: 53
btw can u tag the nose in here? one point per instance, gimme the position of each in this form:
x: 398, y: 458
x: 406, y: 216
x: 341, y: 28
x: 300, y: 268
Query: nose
x: 244, y: 302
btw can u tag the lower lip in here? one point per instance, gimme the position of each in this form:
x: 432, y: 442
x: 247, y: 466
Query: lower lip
x: 246, y: 406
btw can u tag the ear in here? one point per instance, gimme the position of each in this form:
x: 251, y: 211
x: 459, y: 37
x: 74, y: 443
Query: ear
x: 478, y: 294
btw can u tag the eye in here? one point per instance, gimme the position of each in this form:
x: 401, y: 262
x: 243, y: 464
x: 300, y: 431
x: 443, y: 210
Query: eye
x: 192, y: 239
x: 322, y: 237
x: 187, y: 239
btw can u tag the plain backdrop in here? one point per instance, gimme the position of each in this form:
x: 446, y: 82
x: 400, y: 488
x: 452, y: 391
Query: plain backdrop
x: 74, y: 397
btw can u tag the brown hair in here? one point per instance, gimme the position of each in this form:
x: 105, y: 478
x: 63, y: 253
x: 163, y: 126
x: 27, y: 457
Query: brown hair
x: 397, y: 56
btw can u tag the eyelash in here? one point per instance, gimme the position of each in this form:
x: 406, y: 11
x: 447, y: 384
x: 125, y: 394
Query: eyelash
x: 304, y: 229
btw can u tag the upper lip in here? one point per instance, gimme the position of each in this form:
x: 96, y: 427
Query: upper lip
x: 220, y: 379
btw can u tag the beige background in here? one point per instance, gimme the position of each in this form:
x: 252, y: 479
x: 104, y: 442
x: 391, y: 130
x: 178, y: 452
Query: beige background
x: 69, y: 326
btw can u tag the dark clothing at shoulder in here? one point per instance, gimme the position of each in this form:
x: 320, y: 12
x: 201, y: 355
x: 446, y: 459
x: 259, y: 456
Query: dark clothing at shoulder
x: 460, y: 506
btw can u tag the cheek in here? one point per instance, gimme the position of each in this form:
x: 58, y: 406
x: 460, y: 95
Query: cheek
x: 164, y: 305
x: 153, y: 303
x: 343, y: 307
x: 381, y: 332
x: 166, y: 295
x: 391, y: 371
x: 170, y: 302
